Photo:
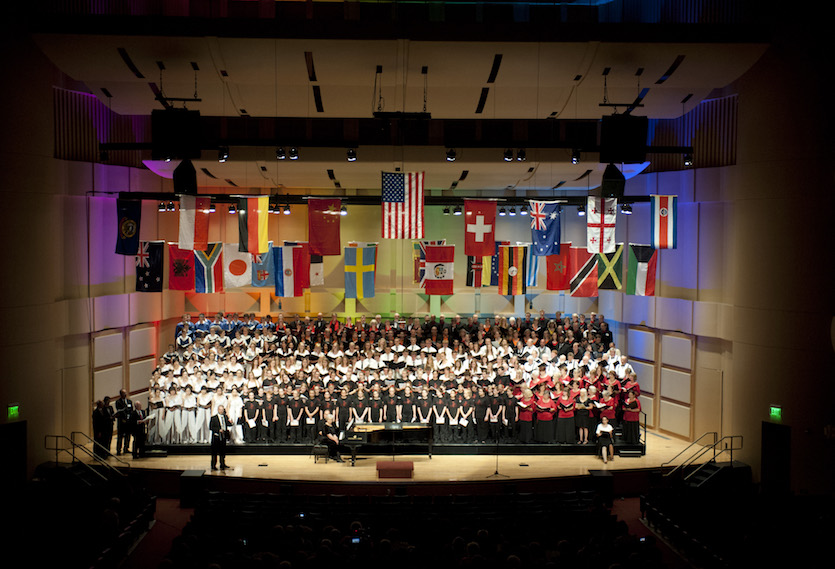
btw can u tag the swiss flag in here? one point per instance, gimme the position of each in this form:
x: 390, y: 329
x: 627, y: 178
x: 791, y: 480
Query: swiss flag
x: 439, y: 269
x: 479, y: 227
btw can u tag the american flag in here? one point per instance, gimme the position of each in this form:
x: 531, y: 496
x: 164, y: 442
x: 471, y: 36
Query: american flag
x: 402, y: 205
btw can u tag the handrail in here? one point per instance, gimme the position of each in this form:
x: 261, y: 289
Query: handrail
x: 97, y: 458
x: 699, y: 451
x: 71, y: 452
x: 728, y: 449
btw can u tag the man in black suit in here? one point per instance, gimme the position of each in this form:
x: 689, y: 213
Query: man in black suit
x: 124, y: 408
x: 220, y: 426
x: 138, y: 420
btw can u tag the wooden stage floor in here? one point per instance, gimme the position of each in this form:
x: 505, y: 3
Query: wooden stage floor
x: 440, y: 468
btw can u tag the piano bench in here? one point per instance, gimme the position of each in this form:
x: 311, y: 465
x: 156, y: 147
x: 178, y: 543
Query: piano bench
x: 395, y: 469
x: 319, y: 451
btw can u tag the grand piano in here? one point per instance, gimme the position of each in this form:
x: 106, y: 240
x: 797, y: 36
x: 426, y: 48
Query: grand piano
x: 377, y: 437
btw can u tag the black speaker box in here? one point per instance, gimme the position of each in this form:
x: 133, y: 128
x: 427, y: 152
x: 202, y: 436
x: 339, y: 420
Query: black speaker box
x: 623, y: 139
x: 175, y: 133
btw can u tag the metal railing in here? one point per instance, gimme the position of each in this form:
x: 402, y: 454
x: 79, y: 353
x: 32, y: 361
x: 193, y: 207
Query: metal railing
x: 64, y: 446
x: 699, y: 452
x: 728, y: 448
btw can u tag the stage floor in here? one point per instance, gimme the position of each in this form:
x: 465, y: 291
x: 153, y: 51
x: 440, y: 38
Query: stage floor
x: 440, y: 468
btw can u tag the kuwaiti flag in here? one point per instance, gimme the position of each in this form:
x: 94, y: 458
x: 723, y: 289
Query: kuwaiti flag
x: 360, y: 272
x: 640, y: 272
x: 545, y: 227
x: 584, y: 273
x: 479, y: 227
x: 237, y: 267
x: 288, y: 262
x: 263, y: 274
x: 253, y: 218
x: 664, y: 214
x: 194, y: 223
x: 601, y: 214
x: 440, y: 270
x: 208, y: 269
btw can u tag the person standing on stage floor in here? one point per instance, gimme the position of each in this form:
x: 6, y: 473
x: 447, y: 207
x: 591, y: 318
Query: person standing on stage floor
x: 101, y: 423
x: 124, y: 408
x: 220, y: 427
x: 139, y: 421
x: 329, y: 435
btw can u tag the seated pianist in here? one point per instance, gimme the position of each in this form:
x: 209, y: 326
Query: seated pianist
x: 329, y: 436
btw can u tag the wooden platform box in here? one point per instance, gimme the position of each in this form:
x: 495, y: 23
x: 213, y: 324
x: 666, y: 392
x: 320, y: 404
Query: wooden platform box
x: 395, y: 469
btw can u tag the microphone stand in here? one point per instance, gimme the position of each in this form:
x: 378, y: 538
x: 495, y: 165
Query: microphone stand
x: 497, y: 474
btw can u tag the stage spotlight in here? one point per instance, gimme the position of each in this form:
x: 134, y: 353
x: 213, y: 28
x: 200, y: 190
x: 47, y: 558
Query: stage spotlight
x: 575, y: 156
x: 523, y: 210
x: 212, y: 207
x: 508, y: 155
x: 446, y: 210
x: 502, y: 212
x: 287, y: 209
x: 511, y: 212
x: 343, y: 211
x: 451, y: 155
x: 581, y: 211
x: 294, y: 153
x: 521, y: 155
x: 232, y: 209
x: 222, y: 154
x: 626, y: 209
x: 171, y: 206
x: 280, y: 154
x: 688, y: 160
x: 457, y: 210
x: 162, y: 206
x: 351, y: 155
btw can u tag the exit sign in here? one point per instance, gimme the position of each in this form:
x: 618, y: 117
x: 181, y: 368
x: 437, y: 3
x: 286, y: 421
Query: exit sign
x: 13, y: 412
x: 775, y: 413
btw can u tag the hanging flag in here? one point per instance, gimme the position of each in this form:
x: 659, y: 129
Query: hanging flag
x: 420, y: 264
x: 558, y: 269
x: 180, y: 268
x: 494, y: 263
x: 533, y: 267
x: 288, y: 263
x: 664, y: 213
x: 475, y: 269
x: 149, y: 266
x: 194, y: 223
x: 545, y: 227
x: 402, y: 205
x: 323, y: 218
x: 479, y: 227
x: 512, y: 270
x: 208, y: 269
x: 359, y: 272
x: 263, y: 274
x: 128, y: 215
x: 583, y: 273
x: 317, y: 270
x: 253, y: 218
x: 640, y: 272
x: 610, y: 269
x: 237, y: 267
x: 303, y: 274
x: 601, y: 214
x: 440, y: 270
x: 366, y: 244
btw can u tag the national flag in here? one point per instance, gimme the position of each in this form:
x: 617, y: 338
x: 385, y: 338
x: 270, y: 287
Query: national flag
x: 402, y: 205
x: 440, y: 269
x: 533, y: 268
x: 323, y: 220
x: 479, y: 227
x: 664, y: 213
x: 640, y: 271
x: 237, y: 267
x: 303, y: 274
x: 475, y: 270
x: 601, y: 214
x: 360, y: 272
x: 419, y: 256
x: 512, y: 270
x: 180, y: 268
x: 149, y: 266
x: 288, y: 263
x: 373, y: 244
x: 558, y: 269
x: 317, y: 270
x: 263, y: 274
x: 610, y: 269
x: 208, y: 269
x: 494, y: 263
x: 545, y: 227
x: 128, y: 216
x: 583, y: 273
x: 194, y: 223
x: 253, y: 224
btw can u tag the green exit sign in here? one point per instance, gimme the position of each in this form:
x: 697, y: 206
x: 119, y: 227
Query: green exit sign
x: 13, y: 412
x: 775, y: 413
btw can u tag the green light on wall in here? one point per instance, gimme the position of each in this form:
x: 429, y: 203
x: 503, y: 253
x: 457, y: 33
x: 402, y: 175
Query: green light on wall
x: 775, y: 413
x: 13, y: 412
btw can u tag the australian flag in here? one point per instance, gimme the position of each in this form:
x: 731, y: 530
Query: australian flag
x: 545, y: 228
x: 149, y: 266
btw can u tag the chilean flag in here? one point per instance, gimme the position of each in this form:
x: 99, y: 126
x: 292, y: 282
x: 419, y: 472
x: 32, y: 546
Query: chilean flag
x: 479, y: 227
x: 440, y: 271
x: 664, y: 214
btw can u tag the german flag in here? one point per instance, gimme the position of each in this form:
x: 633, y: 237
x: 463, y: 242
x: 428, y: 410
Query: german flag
x: 253, y: 215
x: 513, y: 264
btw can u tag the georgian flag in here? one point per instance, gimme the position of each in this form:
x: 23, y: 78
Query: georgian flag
x: 601, y: 214
x: 664, y: 213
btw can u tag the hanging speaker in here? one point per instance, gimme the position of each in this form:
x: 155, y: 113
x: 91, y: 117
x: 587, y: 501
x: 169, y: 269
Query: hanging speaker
x: 185, y: 178
x: 175, y: 133
x: 623, y: 139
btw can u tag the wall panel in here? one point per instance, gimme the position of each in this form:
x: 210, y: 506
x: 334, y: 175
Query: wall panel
x: 676, y: 351
x: 140, y: 373
x: 674, y: 418
x: 675, y: 385
x: 107, y: 349
x: 142, y: 342
x: 641, y: 344
x: 646, y: 375
x: 107, y: 382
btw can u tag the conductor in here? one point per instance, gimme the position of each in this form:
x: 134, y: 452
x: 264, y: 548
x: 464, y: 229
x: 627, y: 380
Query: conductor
x: 219, y: 425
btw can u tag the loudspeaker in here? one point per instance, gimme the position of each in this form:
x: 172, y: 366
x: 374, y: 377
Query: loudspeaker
x: 175, y: 133
x: 185, y: 178
x: 613, y: 183
x: 623, y: 139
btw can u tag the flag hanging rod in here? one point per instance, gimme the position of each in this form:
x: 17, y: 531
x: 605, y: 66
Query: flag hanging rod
x: 508, y: 201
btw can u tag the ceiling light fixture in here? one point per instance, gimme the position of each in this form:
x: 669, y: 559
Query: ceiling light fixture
x: 287, y: 209
x: 294, y: 153
x: 280, y: 154
x: 626, y: 209
x: 523, y: 210
x: 343, y: 211
x: 581, y: 211
x: 575, y: 156
x: 511, y: 212
x: 162, y: 206
x: 688, y: 160
x: 521, y: 155
x: 457, y: 210
x: 451, y: 155
x: 171, y: 206
x: 212, y: 207
x: 351, y: 155
x: 502, y: 212
x: 446, y: 210
x: 232, y: 209
x: 223, y: 154
x: 508, y: 155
